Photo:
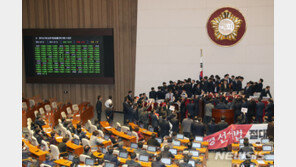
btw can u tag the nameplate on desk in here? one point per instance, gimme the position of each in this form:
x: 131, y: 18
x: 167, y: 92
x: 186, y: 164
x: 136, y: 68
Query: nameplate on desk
x: 78, y: 115
x: 108, y: 127
x: 260, y: 162
x: 60, y: 137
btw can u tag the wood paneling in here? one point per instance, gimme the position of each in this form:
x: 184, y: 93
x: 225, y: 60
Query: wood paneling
x: 118, y: 14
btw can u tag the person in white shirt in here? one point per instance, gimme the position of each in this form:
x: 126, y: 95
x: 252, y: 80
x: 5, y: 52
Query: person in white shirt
x: 108, y: 102
x: 170, y: 96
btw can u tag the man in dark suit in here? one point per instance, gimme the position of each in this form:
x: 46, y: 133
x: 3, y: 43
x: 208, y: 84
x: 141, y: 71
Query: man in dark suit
x: 212, y: 127
x: 152, y: 94
x: 259, y: 110
x: 152, y: 141
x: 160, y: 94
x: 190, y: 108
x: 99, y: 108
x: 132, y: 162
x: 175, y: 123
x: 260, y: 85
x: 164, y: 127
x: 239, y: 83
x: 221, y: 104
x: 265, y: 92
x: 158, y: 163
x: 110, y: 157
x: 198, y: 128
x: 248, y: 90
x: 126, y: 109
x: 130, y: 96
x: 154, y: 120
x: 269, y: 110
x: 222, y: 124
x: 166, y: 153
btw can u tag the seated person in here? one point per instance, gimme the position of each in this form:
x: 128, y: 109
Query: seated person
x: 140, y: 135
x: 25, y: 153
x: 39, y: 122
x: 49, y: 161
x: 63, y: 147
x: 80, y: 133
x: 110, y: 157
x: 140, y: 150
x: 94, y: 140
x: 158, y: 163
x: 52, y: 139
x: 247, y: 162
x: 152, y: 141
x: 246, y: 148
x: 166, y: 153
x: 120, y: 147
x: 132, y: 162
x: 185, y: 163
x: 87, y: 151
x: 169, y: 142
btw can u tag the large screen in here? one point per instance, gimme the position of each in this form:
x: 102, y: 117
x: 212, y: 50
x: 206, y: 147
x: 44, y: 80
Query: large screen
x: 69, y: 55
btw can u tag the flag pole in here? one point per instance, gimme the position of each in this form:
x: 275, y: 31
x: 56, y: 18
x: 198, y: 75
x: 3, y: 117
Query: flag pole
x: 201, y: 65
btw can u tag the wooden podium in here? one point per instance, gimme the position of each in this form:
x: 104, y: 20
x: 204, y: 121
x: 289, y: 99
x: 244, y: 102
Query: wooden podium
x: 218, y: 113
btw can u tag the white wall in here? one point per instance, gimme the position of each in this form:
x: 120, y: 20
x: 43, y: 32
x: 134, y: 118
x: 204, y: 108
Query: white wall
x: 171, y: 33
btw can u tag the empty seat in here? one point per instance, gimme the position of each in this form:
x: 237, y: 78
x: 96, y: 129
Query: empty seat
x: 135, y: 134
x: 63, y: 114
x: 41, y: 110
x: 101, y: 134
x: 55, y: 152
x: 47, y: 108
x: 35, y: 113
x: 93, y: 128
x: 124, y: 129
x: 75, y: 107
x: 69, y: 111
x: 85, y: 142
x: 76, y: 137
x: 45, y: 144
x: 24, y: 106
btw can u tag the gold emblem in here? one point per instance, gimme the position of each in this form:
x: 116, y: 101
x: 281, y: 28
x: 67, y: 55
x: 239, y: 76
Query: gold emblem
x: 226, y: 26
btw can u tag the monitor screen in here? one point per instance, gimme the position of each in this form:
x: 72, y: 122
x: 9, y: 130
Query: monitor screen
x: 159, y: 140
x: 241, y: 141
x: 69, y: 55
x: 194, y: 153
x: 123, y: 155
x: 76, y: 141
x: 241, y: 146
x: 199, y: 138
x: 196, y: 145
x: 151, y: 148
x: 266, y: 148
x: 89, y: 161
x: 29, y: 164
x: 104, y: 150
x: 70, y: 157
x: 109, y: 164
x: 176, y: 143
x: 180, y: 136
x: 151, y: 129
x: 134, y: 145
x: 269, y: 157
x: 106, y: 137
x: 166, y: 161
x: 264, y: 141
x: 192, y: 162
x: 143, y: 158
x: 141, y: 126
x: 242, y: 156
x: 129, y: 133
x: 173, y: 151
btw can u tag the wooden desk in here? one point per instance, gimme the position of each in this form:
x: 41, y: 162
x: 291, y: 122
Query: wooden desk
x: 127, y: 139
x: 145, y: 132
x: 218, y: 113
x: 98, y: 154
x: 63, y: 162
x: 36, y: 151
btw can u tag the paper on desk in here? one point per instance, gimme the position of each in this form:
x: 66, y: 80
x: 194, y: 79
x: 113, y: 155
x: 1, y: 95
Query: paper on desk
x: 60, y: 137
x: 260, y: 161
x: 108, y: 127
x: 244, y: 110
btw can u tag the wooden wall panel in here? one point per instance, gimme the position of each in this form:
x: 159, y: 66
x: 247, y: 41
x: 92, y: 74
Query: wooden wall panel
x: 118, y: 14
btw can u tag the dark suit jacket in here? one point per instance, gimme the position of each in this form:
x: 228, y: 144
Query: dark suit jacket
x: 190, y: 108
x: 221, y: 106
x: 111, y: 158
x: 99, y: 107
x: 154, y: 120
x: 265, y: 93
x: 164, y: 127
x: 259, y: 87
x: 167, y: 154
x: 222, y: 125
x: 152, y: 94
x: 133, y: 163
x: 153, y: 142
x: 197, y: 128
x: 158, y: 164
x: 126, y: 108
x: 212, y: 128
x: 175, y: 123
x: 259, y: 108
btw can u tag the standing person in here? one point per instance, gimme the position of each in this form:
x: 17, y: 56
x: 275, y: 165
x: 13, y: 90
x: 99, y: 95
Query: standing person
x: 265, y: 92
x: 109, y: 113
x: 154, y: 120
x: 186, y: 125
x: 175, y: 123
x: 99, y: 108
x: 197, y: 127
x: 208, y: 111
x: 126, y: 109
x: 108, y: 102
x: 152, y: 94
x: 190, y: 108
x: 164, y: 127
x: 260, y: 85
x: 259, y: 110
x: 130, y: 96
